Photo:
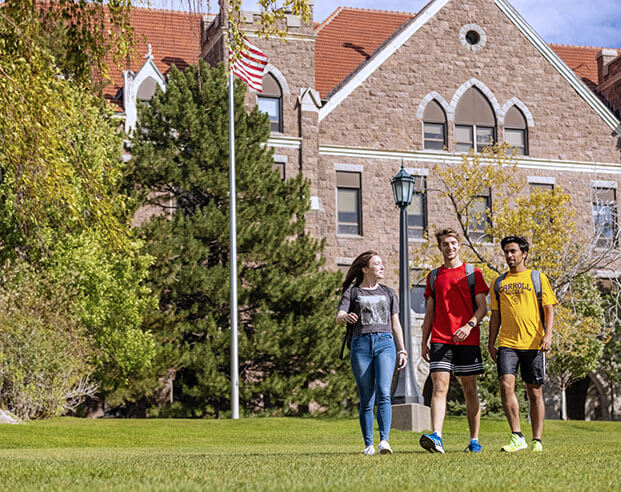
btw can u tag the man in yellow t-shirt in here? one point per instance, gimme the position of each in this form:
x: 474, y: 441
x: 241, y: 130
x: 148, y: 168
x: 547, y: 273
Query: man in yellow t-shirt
x: 523, y: 339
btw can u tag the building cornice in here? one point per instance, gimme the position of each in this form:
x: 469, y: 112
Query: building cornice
x: 451, y: 158
x: 288, y: 37
x: 284, y: 142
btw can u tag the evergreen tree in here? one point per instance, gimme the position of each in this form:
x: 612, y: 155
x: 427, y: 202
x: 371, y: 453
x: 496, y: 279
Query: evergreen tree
x: 288, y: 342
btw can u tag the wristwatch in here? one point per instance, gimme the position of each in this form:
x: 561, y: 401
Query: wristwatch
x: 470, y: 324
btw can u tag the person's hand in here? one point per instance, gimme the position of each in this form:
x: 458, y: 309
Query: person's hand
x: 403, y: 359
x: 351, y: 318
x: 462, y: 333
x: 493, y: 352
x: 546, y: 343
x: 425, y: 352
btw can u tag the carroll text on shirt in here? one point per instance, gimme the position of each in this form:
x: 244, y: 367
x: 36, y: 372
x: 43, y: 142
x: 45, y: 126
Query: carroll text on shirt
x: 515, y: 288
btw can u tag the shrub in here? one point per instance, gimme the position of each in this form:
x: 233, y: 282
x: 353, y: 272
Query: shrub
x: 44, y: 350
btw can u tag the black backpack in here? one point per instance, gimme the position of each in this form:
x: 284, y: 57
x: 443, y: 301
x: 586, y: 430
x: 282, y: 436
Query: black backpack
x: 469, y: 277
x: 535, y: 277
x: 349, y: 331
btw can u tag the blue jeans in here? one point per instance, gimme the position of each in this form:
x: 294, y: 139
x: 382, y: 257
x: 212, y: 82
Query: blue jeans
x: 373, y: 357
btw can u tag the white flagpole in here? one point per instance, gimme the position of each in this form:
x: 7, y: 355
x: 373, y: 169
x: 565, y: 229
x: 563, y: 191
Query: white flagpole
x: 233, y: 233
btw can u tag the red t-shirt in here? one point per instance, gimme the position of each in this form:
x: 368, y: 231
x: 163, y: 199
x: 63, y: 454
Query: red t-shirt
x: 454, y: 304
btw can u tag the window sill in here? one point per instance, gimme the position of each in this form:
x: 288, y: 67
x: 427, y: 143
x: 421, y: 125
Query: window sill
x: 436, y: 151
x: 349, y: 236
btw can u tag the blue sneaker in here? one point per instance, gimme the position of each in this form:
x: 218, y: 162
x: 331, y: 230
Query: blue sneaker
x: 473, y: 447
x: 432, y: 443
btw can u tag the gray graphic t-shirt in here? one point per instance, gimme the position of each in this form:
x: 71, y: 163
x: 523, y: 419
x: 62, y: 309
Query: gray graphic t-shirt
x: 374, y: 308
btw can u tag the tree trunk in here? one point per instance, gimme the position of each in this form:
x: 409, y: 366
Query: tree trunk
x: 563, y: 401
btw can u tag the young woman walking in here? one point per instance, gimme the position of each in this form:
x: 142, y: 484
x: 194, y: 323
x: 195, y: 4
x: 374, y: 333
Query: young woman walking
x: 373, y: 311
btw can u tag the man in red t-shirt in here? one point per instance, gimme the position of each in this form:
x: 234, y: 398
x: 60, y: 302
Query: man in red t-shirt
x: 453, y: 324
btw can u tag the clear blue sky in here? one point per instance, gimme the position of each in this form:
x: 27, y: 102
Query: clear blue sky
x: 576, y: 22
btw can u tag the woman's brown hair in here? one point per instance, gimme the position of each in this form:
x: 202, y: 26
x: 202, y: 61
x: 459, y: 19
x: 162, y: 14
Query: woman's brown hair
x: 355, y: 274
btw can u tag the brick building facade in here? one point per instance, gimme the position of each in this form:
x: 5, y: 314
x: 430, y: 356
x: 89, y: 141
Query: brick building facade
x: 353, y: 97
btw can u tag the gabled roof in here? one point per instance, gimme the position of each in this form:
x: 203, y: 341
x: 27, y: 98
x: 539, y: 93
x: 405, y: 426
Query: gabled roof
x: 343, y: 71
x: 581, y: 59
x: 347, y: 38
x: 175, y: 38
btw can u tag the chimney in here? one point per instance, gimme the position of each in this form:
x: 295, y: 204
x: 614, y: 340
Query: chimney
x: 604, y: 57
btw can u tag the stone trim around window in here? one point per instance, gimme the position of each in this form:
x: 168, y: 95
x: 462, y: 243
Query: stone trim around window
x: 280, y: 78
x: 474, y: 47
x: 420, y: 112
x: 541, y: 180
x: 473, y: 82
x: 514, y: 101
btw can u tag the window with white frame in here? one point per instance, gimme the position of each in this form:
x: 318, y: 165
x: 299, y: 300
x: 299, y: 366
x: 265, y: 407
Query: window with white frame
x: 270, y: 102
x: 349, y: 203
x: 479, y: 216
x: 604, y: 202
x: 516, y: 131
x: 417, y: 210
x: 434, y: 127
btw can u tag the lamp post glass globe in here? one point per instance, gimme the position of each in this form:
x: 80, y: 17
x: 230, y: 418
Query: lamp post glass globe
x: 403, y: 188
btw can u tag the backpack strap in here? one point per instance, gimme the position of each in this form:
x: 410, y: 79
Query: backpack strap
x: 432, y: 282
x: 497, y: 283
x: 471, y: 285
x: 535, y: 277
x: 349, y: 330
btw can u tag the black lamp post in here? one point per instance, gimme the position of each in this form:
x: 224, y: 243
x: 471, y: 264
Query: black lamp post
x: 406, y: 389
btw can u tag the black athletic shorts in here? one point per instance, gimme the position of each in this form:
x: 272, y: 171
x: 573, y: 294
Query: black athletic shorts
x: 462, y: 360
x: 532, y: 364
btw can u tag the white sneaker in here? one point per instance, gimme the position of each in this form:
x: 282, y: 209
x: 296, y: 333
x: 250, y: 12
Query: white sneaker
x: 384, y: 448
x: 369, y: 451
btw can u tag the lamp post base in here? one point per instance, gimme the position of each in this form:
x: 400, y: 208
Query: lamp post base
x: 411, y: 417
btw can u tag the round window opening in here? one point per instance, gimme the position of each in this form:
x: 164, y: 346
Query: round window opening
x: 473, y: 37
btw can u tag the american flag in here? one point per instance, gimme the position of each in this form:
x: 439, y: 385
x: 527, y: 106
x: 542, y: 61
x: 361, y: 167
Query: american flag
x: 250, y: 65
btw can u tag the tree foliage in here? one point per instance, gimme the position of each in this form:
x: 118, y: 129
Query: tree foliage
x: 288, y: 347
x: 110, y: 300
x: 62, y: 216
x: 60, y: 148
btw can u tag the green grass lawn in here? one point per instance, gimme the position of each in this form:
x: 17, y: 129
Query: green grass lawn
x: 296, y: 454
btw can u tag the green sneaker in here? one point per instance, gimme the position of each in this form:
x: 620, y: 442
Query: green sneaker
x: 517, y: 443
x: 536, y: 446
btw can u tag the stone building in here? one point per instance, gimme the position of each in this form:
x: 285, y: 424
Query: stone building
x: 354, y: 96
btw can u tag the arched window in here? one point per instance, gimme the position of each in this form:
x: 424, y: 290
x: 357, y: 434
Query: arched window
x: 434, y: 127
x: 147, y: 89
x: 475, y: 122
x: 270, y: 101
x: 516, y: 131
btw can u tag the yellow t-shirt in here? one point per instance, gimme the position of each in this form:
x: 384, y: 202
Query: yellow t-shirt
x: 521, y: 326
